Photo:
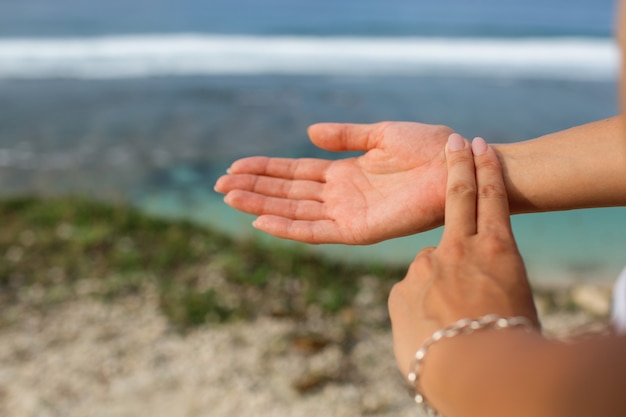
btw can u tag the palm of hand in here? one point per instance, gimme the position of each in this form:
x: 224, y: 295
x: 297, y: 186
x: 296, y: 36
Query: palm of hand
x: 396, y: 188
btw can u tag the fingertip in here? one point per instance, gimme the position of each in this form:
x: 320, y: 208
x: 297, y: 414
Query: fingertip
x: 268, y: 223
x: 455, y: 142
x: 321, y: 128
x: 341, y: 137
x: 235, y: 198
x: 232, y: 169
x: 479, y: 146
x: 321, y: 134
x: 223, y: 184
x: 310, y: 130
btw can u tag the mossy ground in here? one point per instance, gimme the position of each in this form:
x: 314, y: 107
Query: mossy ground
x: 55, y: 249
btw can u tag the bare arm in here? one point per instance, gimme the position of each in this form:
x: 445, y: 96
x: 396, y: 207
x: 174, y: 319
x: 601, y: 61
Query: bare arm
x: 477, y: 270
x: 397, y: 186
x: 581, y: 167
x: 517, y: 374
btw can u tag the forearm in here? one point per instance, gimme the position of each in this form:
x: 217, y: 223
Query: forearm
x: 518, y: 374
x: 581, y: 167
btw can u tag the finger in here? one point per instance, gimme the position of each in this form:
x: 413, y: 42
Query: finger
x: 427, y: 251
x: 493, y: 204
x: 340, y: 137
x: 460, y: 210
x: 258, y: 204
x: 320, y: 231
x: 420, y: 270
x: 271, y: 186
x: 288, y: 168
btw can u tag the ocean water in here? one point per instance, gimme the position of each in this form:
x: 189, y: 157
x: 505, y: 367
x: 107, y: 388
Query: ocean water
x: 149, y: 101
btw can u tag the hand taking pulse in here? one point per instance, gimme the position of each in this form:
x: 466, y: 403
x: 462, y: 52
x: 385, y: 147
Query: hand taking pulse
x: 395, y: 189
x: 475, y: 270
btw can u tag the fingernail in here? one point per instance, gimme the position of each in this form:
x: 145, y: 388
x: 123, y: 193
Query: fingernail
x: 228, y: 171
x: 455, y: 142
x: 479, y: 146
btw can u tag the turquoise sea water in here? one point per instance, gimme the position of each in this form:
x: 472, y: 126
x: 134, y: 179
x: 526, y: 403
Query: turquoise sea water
x: 150, y: 103
x: 558, y: 248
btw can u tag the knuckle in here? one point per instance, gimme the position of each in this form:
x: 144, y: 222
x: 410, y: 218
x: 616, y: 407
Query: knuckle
x: 423, y: 257
x: 461, y: 158
x: 395, y: 292
x: 487, y: 161
x: 492, y: 191
x: 397, y: 298
x: 254, y: 182
x: 417, y: 263
x: 419, y: 268
x: 455, y: 250
x: 461, y: 188
x: 452, y: 250
x: 426, y: 251
x: 498, y: 244
x: 391, y: 299
x: 380, y: 129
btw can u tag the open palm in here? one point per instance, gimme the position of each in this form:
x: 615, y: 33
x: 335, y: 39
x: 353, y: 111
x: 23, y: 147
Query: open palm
x: 394, y: 189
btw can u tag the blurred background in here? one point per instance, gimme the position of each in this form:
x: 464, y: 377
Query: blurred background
x: 148, y: 102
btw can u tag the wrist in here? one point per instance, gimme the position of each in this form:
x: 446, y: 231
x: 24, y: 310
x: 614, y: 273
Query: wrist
x: 515, y: 168
x: 563, y: 170
x: 465, y: 372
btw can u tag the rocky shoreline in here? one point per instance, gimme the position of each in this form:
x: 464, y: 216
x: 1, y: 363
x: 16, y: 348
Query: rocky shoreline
x: 108, y: 313
x: 89, y: 357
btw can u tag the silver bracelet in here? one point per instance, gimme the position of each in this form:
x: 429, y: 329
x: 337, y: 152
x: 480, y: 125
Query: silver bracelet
x: 463, y: 326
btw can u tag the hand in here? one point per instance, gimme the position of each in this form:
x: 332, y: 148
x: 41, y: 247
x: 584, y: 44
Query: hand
x: 395, y: 189
x: 475, y: 270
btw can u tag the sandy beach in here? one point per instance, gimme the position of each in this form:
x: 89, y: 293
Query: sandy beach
x: 92, y: 358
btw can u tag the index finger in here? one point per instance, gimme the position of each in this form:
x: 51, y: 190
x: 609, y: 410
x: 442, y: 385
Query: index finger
x: 309, y: 169
x: 460, y: 211
x: 493, y: 204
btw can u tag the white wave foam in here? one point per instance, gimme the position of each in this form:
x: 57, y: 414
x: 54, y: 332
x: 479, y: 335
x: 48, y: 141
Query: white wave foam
x: 189, y: 54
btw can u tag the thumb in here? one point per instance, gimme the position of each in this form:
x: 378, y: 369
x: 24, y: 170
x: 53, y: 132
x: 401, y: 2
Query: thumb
x: 340, y: 137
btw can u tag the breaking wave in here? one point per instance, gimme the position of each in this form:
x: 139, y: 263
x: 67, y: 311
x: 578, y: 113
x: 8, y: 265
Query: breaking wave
x: 196, y: 54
